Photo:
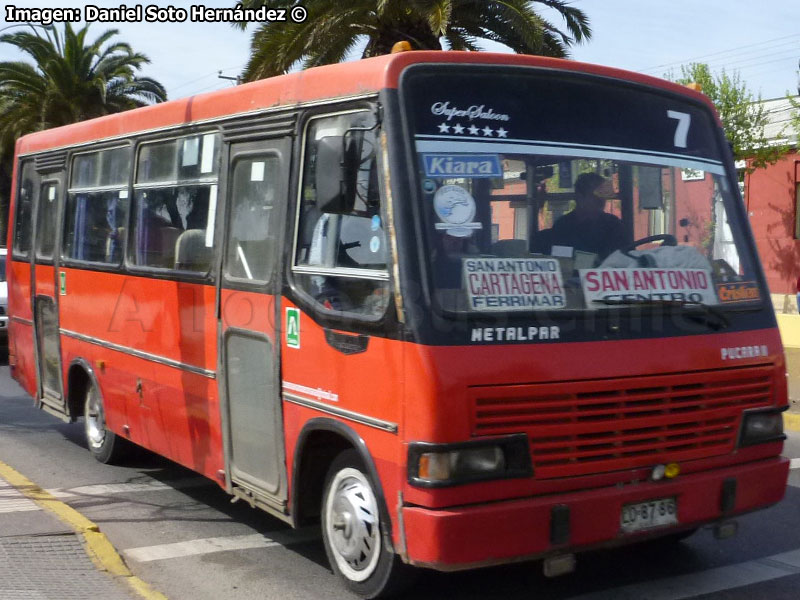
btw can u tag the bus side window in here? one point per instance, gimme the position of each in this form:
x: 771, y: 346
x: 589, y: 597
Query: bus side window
x: 28, y: 180
x: 97, y: 206
x: 341, y: 257
x: 46, y: 221
x: 175, y: 203
x: 250, y: 251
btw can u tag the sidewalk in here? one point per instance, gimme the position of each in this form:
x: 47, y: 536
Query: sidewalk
x: 49, y: 552
x: 789, y: 325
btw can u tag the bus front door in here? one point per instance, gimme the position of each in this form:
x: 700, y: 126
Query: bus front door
x: 45, y: 292
x: 249, y: 306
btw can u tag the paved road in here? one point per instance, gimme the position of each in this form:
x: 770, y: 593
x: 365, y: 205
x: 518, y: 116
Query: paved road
x: 181, y: 533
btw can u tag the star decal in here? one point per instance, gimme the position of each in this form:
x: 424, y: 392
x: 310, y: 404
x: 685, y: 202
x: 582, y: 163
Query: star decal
x: 444, y: 128
x: 487, y: 131
x: 473, y: 130
x: 458, y: 128
x: 502, y: 133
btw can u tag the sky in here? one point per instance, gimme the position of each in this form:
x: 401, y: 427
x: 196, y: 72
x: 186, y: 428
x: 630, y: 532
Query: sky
x: 760, y: 40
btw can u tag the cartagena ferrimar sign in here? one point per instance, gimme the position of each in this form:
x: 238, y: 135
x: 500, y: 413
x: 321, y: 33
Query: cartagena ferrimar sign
x: 615, y: 285
x: 513, y: 284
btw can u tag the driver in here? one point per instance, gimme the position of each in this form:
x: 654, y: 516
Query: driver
x: 588, y: 227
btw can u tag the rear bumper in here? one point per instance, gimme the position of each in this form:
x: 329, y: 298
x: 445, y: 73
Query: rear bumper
x: 471, y: 536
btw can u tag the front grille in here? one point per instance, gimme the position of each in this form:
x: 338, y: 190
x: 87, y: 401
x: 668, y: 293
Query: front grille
x: 597, y: 426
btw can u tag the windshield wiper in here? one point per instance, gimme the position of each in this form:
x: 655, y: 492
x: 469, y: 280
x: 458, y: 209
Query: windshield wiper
x: 708, y: 315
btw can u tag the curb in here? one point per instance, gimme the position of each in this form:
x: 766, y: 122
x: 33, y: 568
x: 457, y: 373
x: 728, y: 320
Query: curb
x: 791, y: 421
x: 98, y: 547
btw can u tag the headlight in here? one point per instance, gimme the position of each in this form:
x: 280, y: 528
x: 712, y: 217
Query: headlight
x: 762, y: 426
x: 438, y: 465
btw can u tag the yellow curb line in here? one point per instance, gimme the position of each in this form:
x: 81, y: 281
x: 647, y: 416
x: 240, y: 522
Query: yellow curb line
x: 791, y: 421
x: 99, y: 549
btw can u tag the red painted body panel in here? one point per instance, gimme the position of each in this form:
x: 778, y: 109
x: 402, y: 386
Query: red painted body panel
x: 177, y: 414
x: 371, y: 383
x: 504, y: 531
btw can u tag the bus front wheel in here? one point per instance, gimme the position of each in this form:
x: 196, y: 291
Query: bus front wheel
x: 354, y: 535
x: 103, y: 443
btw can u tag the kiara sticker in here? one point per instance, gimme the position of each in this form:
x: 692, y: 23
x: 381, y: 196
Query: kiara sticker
x: 462, y: 165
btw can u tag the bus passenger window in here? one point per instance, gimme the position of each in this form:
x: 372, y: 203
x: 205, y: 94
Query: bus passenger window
x: 24, y: 210
x: 250, y: 252
x: 97, y: 206
x: 46, y: 221
x: 175, y: 204
x: 341, y: 255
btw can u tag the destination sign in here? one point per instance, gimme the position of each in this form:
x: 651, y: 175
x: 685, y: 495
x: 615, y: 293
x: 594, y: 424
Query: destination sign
x: 642, y: 285
x: 514, y: 284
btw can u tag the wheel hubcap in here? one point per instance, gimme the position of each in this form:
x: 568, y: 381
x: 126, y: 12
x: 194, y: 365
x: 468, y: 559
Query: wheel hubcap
x: 95, y: 421
x: 353, y: 524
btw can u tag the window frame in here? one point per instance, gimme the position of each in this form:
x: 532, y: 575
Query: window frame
x: 218, y: 180
x: 90, y: 264
x: 52, y: 179
x: 279, y: 203
x: 17, y: 254
x: 295, y: 270
x: 797, y: 206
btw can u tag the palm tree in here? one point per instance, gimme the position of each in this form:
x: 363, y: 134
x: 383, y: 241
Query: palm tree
x: 334, y: 28
x: 70, y: 80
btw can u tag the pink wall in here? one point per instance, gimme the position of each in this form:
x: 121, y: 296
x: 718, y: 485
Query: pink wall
x: 770, y: 196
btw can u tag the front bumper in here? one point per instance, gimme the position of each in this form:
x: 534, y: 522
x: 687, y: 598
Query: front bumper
x: 471, y: 536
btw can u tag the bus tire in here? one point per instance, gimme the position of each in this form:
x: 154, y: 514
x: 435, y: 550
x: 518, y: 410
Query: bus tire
x: 104, y: 444
x: 354, y: 534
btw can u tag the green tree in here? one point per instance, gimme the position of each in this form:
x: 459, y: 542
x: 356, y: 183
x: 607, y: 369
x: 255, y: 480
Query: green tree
x: 744, y: 117
x: 71, y: 79
x: 334, y: 28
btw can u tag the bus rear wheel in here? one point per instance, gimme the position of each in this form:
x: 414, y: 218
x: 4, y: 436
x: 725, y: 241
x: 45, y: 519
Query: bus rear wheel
x: 103, y: 443
x: 355, y: 536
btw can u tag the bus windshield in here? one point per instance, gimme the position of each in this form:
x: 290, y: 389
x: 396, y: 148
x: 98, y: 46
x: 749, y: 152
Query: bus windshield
x: 619, y: 198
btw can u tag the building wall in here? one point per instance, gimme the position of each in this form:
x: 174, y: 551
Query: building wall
x: 771, y: 197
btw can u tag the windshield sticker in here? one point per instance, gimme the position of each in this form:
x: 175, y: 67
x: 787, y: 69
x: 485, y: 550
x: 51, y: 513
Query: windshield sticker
x: 642, y: 285
x: 455, y: 208
x: 746, y: 291
x: 463, y: 165
x: 374, y: 244
x: 498, y: 284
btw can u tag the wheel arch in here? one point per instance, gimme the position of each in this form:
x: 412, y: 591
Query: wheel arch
x: 317, y: 438
x: 80, y: 375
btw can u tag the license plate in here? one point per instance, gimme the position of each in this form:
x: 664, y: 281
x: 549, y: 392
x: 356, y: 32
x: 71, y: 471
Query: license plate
x: 648, y: 515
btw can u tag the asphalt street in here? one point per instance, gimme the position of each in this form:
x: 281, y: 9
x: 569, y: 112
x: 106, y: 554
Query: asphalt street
x: 181, y: 534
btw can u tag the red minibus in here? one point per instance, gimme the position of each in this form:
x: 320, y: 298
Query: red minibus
x: 463, y: 308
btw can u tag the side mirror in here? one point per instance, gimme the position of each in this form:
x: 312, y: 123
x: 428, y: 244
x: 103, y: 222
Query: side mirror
x: 337, y: 171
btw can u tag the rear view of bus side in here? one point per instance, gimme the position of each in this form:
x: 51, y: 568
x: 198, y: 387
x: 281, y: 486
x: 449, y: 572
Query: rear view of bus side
x: 460, y: 308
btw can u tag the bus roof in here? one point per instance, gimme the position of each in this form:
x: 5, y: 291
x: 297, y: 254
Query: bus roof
x: 340, y: 80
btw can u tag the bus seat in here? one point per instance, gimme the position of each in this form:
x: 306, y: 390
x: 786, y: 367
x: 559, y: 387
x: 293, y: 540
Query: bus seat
x: 191, y: 252
x: 163, y: 254
x: 114, y: 245
x: 510, y: 248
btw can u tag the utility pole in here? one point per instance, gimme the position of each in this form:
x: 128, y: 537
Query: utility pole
x: 237, y: 79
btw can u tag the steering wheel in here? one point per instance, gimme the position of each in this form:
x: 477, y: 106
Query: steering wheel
x: 668, y: 239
